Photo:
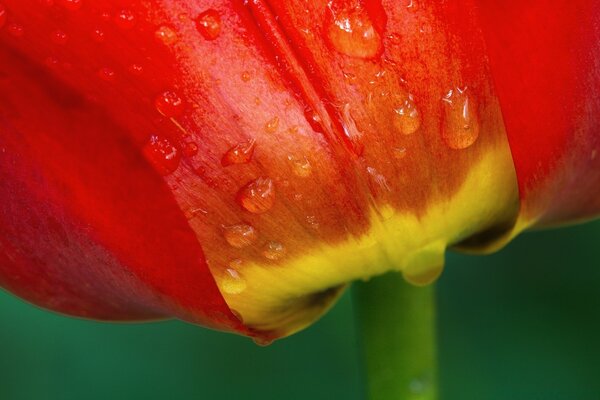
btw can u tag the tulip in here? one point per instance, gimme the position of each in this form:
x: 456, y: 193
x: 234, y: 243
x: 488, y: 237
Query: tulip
x: 236, y: 164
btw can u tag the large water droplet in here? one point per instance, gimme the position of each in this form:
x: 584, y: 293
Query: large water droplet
x: 351, y: 31
x: 239, y: 154
x: 426, y: 265
x: 274, y: 251
x: 169, y: 104
x: 407, y: 117
x: 166, y: 35
x: 240, y: 235
x: 162, y: 155
x: 232, y: 282
x: 208, y: 24
x: 461, y: 123
x: 257, y: 196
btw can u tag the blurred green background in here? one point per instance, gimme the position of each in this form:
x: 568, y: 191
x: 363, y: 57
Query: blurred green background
x: 520, y: 324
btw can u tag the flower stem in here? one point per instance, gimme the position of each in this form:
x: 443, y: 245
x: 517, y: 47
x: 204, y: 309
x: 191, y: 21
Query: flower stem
x: 396, y: 327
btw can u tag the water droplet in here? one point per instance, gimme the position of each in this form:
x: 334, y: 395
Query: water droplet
x: 257, y: 196
x: 407, y: 118
x: 71, y: 5
x: 423, y: 277
x: 274, y: 251
x: 246, y: 76
x: 272, y: 125
x: 301, y: 166
x: 351, y: 31
x: 399, y: 153
x: 15, y: 30
x: 135, y: 69
x: 106, y: 74
x: 3, y: 16
x: 125, y: 19
x: 162, y: 155
x: 240, y: 235
x: 59, y: 37
x: 233, y: 282
x: 169, y: 104
x: 313, y: 222
x: 425, y: 265
x: 314, y: 119
x: 208, y: 24
x: 239, y: 154
x: 262, y: 342
x: 105, y: 16
x: 190, y: 149
x: 461, y: 123
x: 166, y: 35
x: 98, y: 35
x: 51, y: 62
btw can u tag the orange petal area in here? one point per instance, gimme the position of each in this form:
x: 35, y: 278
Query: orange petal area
x: 360, y: 161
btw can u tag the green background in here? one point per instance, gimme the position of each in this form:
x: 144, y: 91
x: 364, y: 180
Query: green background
x: 521, y: 324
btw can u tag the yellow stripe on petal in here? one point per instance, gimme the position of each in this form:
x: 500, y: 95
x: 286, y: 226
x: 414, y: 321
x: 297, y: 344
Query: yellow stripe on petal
x: 285, y: 298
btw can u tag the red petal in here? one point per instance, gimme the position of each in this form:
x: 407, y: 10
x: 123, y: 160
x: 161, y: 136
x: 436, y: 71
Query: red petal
x: 544, y: 57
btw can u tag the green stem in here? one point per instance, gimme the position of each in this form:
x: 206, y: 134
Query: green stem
x: 396, y: 326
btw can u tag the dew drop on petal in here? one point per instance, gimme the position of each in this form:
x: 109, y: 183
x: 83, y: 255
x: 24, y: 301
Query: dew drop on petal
x: 136, y: 69
x: 407, y: 118
x: 232, y: 282
x: 125, y: 19
x: 106, y: 74
x: 208, y: 23
x: 272, y: 125
x: 399, y: 153
x: 163, y: 156
x: 240, y: 235
x: 257, y: 196
x: 15, y: 30
x: 239, y: 154
x: 169, y: 104
x: 351, y: 31
x: 274, y: 251
x: 422, y: 276
x: 59, y: 37
x: 262, y: 342
x: 461, y: 123
x: 190, y: 149
x: 98, y: 35
x: 166, y: 35
x: 51, y: 62
x: 246, y: 76
x: 314, y: 119
x: 300, y: 166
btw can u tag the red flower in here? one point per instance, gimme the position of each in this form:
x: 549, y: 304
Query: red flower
x: 235, y: 163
